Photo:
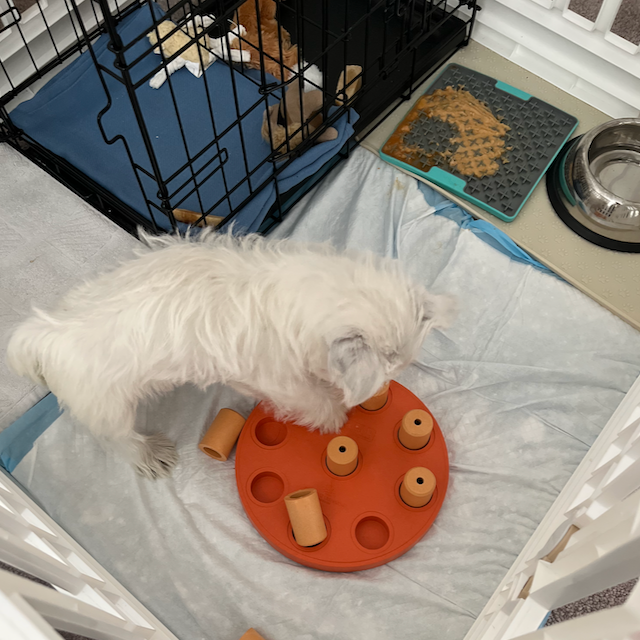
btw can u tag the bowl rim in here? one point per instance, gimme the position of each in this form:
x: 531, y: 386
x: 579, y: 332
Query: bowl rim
x: 584, y: 145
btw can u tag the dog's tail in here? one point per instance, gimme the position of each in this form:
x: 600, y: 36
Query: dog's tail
x: 24, y: 351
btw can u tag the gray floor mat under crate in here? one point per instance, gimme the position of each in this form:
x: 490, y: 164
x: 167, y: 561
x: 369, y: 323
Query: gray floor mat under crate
x: 50, y: 240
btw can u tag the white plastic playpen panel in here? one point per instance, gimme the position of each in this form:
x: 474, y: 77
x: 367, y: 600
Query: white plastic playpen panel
x: 584, y: 58
x: 590, y: 538
x: 86, y: 599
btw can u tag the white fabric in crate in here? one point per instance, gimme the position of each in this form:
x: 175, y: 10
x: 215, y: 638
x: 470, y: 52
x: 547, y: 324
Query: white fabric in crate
x: 521, y: 385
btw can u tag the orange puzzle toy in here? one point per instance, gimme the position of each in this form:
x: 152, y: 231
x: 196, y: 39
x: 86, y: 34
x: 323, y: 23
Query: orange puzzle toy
x: 351, y: 501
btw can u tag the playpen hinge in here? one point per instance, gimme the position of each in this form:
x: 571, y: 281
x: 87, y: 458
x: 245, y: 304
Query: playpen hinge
x: 550, y: 557
x: 165, y: 204
x: 115, y: 46
x: 387, y: 69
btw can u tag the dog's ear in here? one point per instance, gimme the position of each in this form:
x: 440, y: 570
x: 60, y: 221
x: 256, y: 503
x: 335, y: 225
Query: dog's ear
x: 355, y: 368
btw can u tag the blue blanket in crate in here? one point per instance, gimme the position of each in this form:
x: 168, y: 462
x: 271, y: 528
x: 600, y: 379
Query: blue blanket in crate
x: 63, y: 117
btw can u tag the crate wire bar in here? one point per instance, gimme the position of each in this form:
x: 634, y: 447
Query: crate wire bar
x: 395, y: 42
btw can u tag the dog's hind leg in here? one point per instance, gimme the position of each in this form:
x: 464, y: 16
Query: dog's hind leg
x: 110, y: 416
x: 153, y: 456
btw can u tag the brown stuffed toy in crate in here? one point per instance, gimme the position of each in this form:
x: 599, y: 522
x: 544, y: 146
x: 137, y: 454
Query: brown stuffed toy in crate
x: 295, y: 118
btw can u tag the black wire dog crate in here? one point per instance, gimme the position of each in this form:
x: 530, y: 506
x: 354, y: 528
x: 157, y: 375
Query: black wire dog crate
x: 169, y: 113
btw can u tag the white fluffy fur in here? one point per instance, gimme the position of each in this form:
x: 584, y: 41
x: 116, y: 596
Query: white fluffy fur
x: 310, y: 331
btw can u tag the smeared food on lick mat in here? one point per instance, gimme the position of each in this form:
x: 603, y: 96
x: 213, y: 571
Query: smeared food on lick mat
x: 476, y: 146
x: 480, y: 139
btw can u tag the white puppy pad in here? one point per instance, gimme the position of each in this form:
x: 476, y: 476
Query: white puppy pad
x: 521, y: 386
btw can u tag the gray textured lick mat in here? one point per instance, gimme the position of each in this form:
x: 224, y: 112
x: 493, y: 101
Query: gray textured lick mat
x: 537, y: 132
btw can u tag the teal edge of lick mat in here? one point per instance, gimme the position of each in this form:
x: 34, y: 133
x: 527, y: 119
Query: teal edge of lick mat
x: 538, y: 133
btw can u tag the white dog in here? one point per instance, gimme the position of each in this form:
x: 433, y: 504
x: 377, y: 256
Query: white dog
x: 310, y: 331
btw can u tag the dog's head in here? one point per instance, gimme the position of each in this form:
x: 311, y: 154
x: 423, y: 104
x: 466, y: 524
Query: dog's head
x: 380, y: 332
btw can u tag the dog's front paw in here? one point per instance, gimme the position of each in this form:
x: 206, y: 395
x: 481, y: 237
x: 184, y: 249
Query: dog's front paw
x: 334, y: 423
x: 157, y: 458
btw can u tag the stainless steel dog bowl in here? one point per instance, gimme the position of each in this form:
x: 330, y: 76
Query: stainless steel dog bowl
x: 602, y: 174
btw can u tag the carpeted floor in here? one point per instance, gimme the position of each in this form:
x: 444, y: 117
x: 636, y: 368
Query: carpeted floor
x: 586, y: 8
x: 606, y: 599
x: 64, y: 634
x: 627, y: 22
x: 23, y: 5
